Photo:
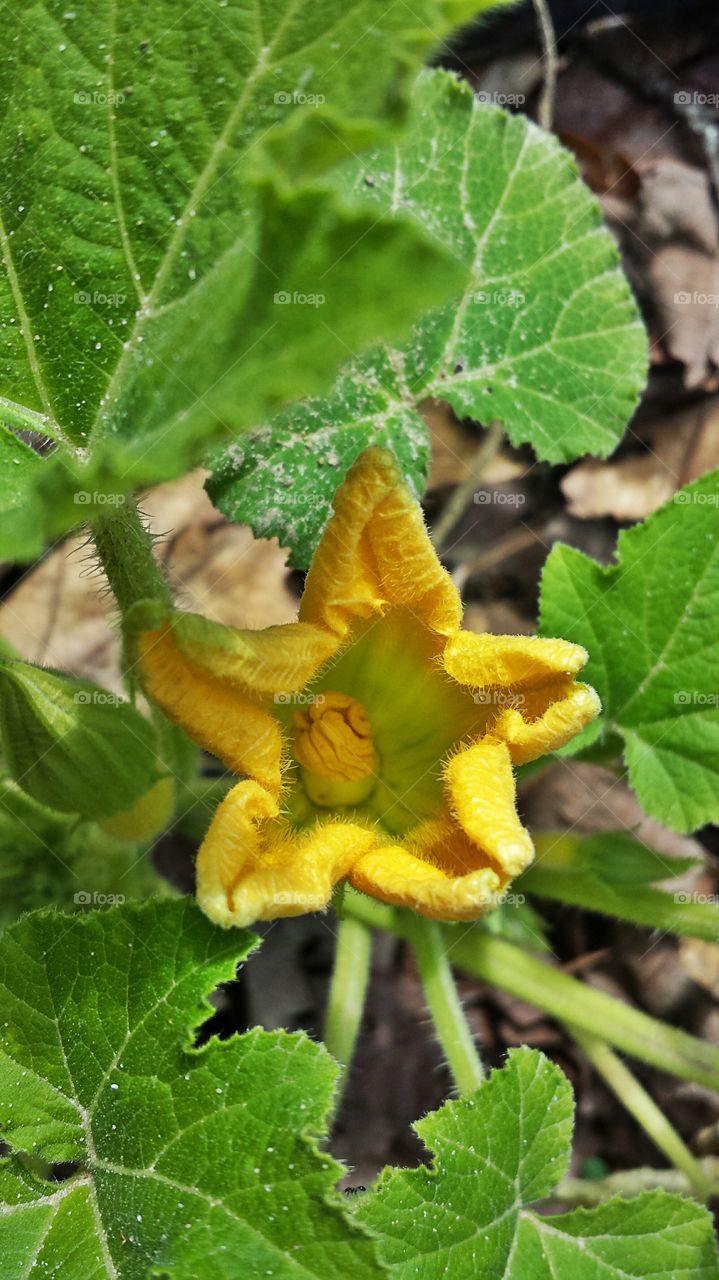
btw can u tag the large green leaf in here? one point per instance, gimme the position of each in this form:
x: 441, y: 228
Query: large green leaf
x: 497, y: 1152
x: 545, y: 336
x: 649, y: 623
x: 184, y: 1155
x: 143, y: 244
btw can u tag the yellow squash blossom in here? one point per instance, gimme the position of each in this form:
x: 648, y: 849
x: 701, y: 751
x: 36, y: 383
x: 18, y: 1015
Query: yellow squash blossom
x: 376, y: 739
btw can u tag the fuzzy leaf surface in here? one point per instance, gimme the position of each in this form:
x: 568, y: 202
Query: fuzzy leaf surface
x: 649, y: 624
x: 494, y: 1154
x: 148, y: 224
x: 184, y: 1153
x: 544, y: 336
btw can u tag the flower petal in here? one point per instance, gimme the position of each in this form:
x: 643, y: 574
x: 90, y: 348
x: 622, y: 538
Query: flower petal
x: 252, y: 867
x: 482, y: 660
x: 376, y: 553
x: 277, y: 659
x: 215, y: 715
x: 532, y: 699
x: 436, y: 871
x: 481, y: 789
x: 572, y: 706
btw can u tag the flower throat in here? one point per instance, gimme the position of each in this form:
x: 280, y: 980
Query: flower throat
x: 333, y: 746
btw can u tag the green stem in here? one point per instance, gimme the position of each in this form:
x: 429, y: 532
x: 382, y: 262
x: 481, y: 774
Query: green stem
x: 348, y: 988
x: 631, y: 1182
x: 444, y: 1004
x: 638, y: 1102
x: 124, y: 546
x: 568, y: 999
x: 490, y: 445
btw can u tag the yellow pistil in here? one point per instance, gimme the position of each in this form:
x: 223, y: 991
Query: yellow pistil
x: 333, y: 745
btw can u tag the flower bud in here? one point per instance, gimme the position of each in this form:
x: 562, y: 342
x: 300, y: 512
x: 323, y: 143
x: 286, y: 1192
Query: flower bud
x: 148, y: 816
x: 73, y: 745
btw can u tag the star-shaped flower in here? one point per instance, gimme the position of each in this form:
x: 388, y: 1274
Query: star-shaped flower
x: 376, y: 738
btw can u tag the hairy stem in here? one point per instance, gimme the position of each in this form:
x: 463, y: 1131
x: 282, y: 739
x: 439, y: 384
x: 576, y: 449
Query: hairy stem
x: 549, y: 62
x: 571, y: 1000
x: 444, y: 1004
x: 462, y: 496
x: 522, y: 974
x: 124, y: 547
x: 348, y: 988
x: 631, y: 1182
x: 638, y: 1102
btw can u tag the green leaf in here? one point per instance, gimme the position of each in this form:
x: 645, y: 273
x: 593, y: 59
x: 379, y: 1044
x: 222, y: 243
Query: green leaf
x: 649, y: 624
x: 653, y: 1235
x: 72, y: 745
x: 282, y: 478
x: 495, y: 1153
x: 45, y: 1234
x: 185, y: 1155
x: 144, y: 241
x: 19, y: 506
x: 545, y: 337
x: 608, y: 873
x: 615, y: 856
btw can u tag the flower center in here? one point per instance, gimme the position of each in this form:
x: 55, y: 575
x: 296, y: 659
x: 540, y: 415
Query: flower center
x: 334, y: 748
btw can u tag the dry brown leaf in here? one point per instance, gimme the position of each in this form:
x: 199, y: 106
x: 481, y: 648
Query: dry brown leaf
x: 675, y: 242
x: 685, y: 292
x: 455, y: 446
x: 700, y: 960
x: 676, y: 203
x: 680, y: 448
x: 216, y: 568
x: 604, y: 169
x: 628, y: 489
x: 61, y: 614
